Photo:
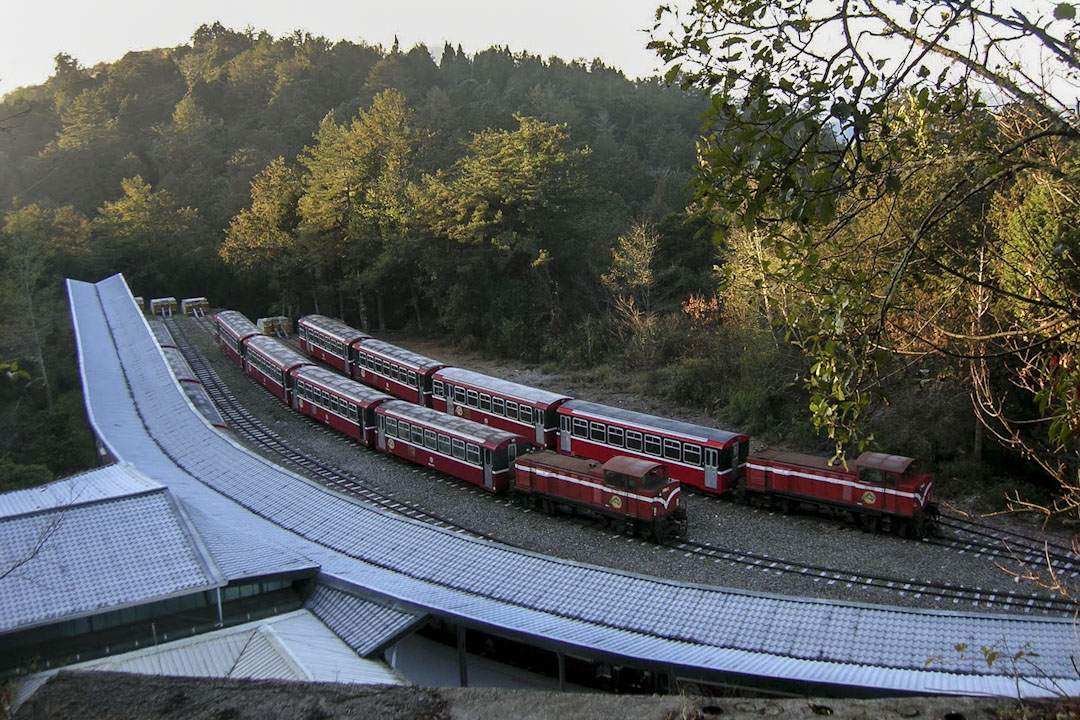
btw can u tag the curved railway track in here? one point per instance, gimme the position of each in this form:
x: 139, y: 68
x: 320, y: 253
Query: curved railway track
x: 979, y: 539
x: 241, y: 422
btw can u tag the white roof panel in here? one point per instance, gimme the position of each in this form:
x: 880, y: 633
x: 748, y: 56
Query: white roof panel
x: 568, y: 605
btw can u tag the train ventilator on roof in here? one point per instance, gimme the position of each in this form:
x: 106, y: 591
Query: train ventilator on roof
x: 278, y: 325
x: 164, y: 306
x: 196, y: 306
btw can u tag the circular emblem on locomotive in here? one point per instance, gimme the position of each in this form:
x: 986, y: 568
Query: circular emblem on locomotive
x: 390, y: 444
x: 457, y: 409
x: 615, y: 502
x: 868, y: 498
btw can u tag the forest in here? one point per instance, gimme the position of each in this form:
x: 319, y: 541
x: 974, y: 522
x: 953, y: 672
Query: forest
x: 860, y: 254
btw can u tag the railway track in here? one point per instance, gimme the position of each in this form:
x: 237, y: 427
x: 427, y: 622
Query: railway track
x: 1009, y: 548
x: 969, y: 537
x: 256, y: 433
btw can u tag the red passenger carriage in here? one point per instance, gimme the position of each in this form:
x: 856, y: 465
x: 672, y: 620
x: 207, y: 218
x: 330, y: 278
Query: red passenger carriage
x: 703, y: 457
x: 634, y: 495
x: 520, y: 409
x: 231, y: 329
x: 334, y: 400
x: 395, y: 370
x: 880, y: 489
x: 271, y: 363
x: 329, y: 340
x: 481, y: 455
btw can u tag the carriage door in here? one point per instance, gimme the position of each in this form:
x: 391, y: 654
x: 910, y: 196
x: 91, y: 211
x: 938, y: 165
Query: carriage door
x: 380, y: 433
x: 712, y: 460
x: 487, y: 468
x: 564, y: 433
x: 540, y: 416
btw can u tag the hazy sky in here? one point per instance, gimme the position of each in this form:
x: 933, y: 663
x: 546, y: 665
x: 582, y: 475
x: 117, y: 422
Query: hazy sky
x: 32, y: 32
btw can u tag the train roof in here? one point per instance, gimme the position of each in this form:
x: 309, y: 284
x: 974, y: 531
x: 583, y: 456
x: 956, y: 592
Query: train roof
x: 701, y: 433
x: 236, y: 322
x: 400, y: 354
x: 340, y: 384
x: 634, y: 467
x: 276, y: 353
x: 499, y: 386
x: 335, y: 328
x: 882, y: 461
x: 465, y: 429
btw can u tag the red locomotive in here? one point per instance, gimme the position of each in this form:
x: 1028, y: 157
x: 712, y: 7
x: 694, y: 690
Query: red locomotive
x: 633, y: 495
x: 882, y: 491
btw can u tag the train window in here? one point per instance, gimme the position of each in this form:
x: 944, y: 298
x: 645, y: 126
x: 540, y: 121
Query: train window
x: 354, y: 413
x: 498, y: 405
x: 692, y: 454
x: 444, y: 444
x: 633, y: 440
x: 458, y: 447
x: 414, y: 379
x: 485, y: 402
x: 653, y: 480
x: 711, y: 457
x: 334, y: 405
x: 417, y: 435
x: 615, y: 436
x: 437, y: 388
x: 511, y: 410
x: 525, y: 414
x: 672, y: 450
x: 403, y: 430
x: 725, y: 458
x: 872, y: 476
x: 459, y: 395
x: 598, y: 432
x: 397, y: 373
x: 652, y: 444
x: 472, y: 454
x: 431, y: 441
x: 474, y: 398
x: 581, y: 428
x: 615, y: 480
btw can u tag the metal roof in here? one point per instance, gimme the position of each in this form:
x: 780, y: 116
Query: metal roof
x: 366, y: 626
x: 340, y: 384
x: 499, y: 386
x: 700, y: 433
x: 293, y: 646
x: 467, y: 429
x: 554, y: 603
x: 398, y: 354
x: 273, y: 350
x: 77, y: 557
x: 236, y: 323
x: 334, y: 328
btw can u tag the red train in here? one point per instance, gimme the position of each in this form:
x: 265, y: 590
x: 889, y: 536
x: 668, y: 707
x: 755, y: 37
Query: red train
x: 635, y: 496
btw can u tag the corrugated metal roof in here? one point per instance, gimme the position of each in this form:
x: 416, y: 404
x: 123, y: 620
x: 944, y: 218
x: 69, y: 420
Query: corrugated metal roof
x: 467, y: 429
x: 365, y: 626
x: 277, y: 353
x: 498, y: 385
x: 107, y: 483
x: 606, y: 412
x: 84, y: 558
x: 386, y: 350
x: 294, y: 646
x: 340, y: 384
x: 236, y: 323
x: 552, y: 602
x: 334, y: 328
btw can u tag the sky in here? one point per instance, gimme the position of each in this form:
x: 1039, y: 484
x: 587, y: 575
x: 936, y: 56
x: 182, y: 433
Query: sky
x: 33, y: 32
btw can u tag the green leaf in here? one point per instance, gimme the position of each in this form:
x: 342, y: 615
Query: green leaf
x: 1065, y: 11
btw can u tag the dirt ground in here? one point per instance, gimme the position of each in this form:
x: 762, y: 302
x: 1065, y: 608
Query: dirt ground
x: 111, y: 696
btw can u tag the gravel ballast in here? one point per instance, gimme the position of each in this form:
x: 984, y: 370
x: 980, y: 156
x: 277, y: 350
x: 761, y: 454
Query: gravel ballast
x: 804, y: 538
